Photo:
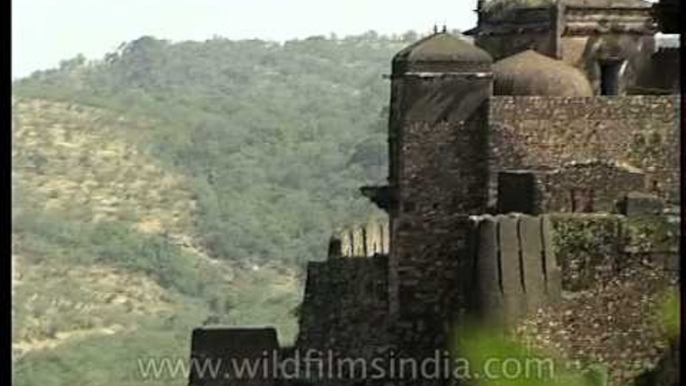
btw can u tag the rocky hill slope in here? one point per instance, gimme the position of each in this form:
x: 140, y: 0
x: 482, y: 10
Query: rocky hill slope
x: 104, y: 248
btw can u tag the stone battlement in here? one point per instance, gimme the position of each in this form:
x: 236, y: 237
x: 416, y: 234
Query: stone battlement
x: 365, y: 240
x: 514, y: 266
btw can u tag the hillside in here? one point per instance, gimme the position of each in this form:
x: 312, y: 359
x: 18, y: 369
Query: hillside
x: 274, y: 139
x: 104, y: 247
x: 173, y: 185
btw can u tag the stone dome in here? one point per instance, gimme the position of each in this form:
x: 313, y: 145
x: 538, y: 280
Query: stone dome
x: 442, y: 48
x: 530, y: 73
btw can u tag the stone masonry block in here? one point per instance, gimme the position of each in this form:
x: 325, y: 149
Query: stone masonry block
x: 511, y: 278
x: 488, y: 294
x: 636, y: 203
x: 553, y: 272
x: 532, y: 259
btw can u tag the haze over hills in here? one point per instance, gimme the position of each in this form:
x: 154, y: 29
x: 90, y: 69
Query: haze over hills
x: 174, y: 185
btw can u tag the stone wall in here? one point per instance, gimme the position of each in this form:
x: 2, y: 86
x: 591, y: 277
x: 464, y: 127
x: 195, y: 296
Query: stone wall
x: 637, y: 131
x: 507, y: 32
x: 668, y: 370
x: 589, y: 248
x: 222, y: 347
x: 593, y: 186
x: 345, y: 307
x: 592, y: 248
x: 514, y: 267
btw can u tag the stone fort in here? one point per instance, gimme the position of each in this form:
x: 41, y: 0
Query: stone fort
x: 535, y: 157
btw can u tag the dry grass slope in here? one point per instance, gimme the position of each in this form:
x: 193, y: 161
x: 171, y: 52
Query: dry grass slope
x: 90, y: 164
x: 77, y: 159
x: 75, y: 156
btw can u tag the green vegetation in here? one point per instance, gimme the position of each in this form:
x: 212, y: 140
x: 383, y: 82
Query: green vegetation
x: 650, y: 232
x: 670, y: 314
x: 275, y: 139
x: 249, y: 152
x: 110, y: 360
x: 516, y: 363
x: 112, y: 244
x: 584, y: 242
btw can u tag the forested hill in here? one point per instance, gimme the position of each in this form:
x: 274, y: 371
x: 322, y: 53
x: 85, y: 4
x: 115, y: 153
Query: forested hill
x: 171, y: 185
x: 274, y: 139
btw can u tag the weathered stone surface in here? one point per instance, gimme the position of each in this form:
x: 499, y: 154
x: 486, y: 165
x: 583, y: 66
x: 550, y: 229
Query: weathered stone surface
x: 613, y: 320
x: 542, y: 133
x: 553, y: 272
x: 591, y: 249
x: 588, y: 248
x: 532, y: 255
x: 488, y: 282
x: 666, y: 373
x: 345, y: 307
x: 604, y: 181
x: 438, y: 173
x: 224, y: 346
x: 511, y: 268
x: 515, y: 268
x: 637, y: 203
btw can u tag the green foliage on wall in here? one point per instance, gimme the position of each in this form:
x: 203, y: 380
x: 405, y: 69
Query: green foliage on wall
x: 652, y: 233
x: 496, y: 358
x: 670, y: 314
x: 583, y: 242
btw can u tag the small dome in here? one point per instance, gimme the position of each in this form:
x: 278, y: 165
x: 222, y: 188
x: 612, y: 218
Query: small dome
x: 530, y: 73
x: 442, y: 48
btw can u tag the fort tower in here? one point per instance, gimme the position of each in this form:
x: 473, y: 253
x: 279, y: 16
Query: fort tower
x: 438, y: 176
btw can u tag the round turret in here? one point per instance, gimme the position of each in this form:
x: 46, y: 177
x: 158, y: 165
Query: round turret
x: 530, y: 73
x: 441, y: 52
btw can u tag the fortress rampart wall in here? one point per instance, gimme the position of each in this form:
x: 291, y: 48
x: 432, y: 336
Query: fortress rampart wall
x: 514, y: 267
x: 345, y: 306
x: 550, y: 132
